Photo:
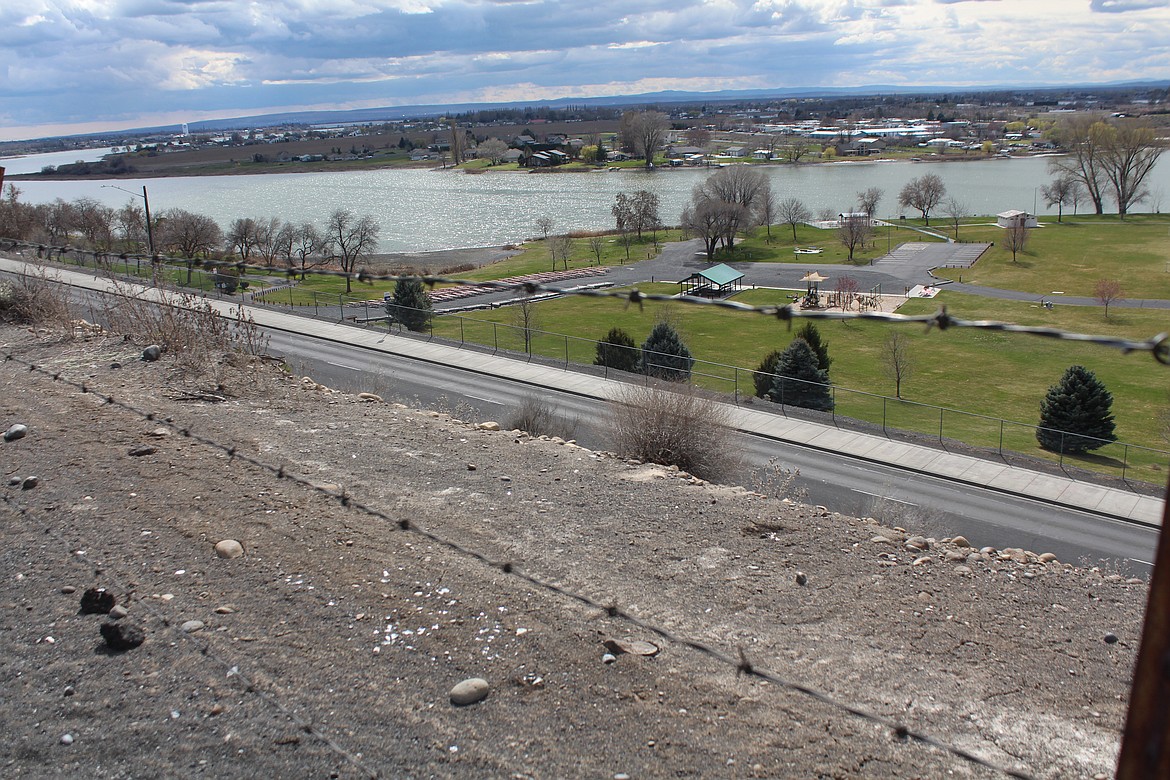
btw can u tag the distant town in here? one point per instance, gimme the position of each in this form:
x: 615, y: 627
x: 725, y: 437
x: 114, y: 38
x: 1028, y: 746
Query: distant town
x: 790, y: 130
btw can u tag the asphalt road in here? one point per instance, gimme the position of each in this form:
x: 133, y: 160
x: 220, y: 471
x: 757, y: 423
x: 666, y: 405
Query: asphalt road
x: 854, y: 487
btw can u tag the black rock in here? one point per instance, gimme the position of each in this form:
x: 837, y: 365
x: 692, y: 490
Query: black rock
x: 97, y: 601
x: 152, y: 353
x: 1111, y: 638
x: 122, y: 635
x: 141, y: 450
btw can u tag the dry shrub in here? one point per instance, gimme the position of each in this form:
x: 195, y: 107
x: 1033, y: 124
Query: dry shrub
x: 457, y: 269
x: 188, y: 328
x: 674, y: 428
x: 538, y: 417
x: 35, y: 299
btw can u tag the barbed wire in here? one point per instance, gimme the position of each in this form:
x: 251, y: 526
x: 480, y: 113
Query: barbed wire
x: 739, y: 662
x: 1158, y: 345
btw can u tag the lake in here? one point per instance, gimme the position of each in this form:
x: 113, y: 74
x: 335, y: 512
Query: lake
x: 422, y: 210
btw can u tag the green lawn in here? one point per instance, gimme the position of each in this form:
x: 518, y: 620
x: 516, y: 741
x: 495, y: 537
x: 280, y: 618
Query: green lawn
x: 984, y: 373
x: 1070, y: 256
x: 757, y: 247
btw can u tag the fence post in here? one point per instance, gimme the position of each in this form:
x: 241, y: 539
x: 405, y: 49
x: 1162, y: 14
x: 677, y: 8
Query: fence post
x: 462, y: 340
x: 737, y: 385
x: 940, y: 426
x: 340, y: 308
x: 1062, y: 449
x: 495, y: 338
x: 365, y: 309
x: 315, y: 309
x: 1001, y: 437
x: 566, y: 353
x: 884, y: 400
x: 833, y: 390
x: 1124, y: 461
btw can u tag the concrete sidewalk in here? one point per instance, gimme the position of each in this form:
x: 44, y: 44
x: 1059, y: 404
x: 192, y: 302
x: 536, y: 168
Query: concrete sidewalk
x: 1063, y: 491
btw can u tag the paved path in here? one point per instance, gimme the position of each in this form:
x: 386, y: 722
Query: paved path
x: 1064, y: 491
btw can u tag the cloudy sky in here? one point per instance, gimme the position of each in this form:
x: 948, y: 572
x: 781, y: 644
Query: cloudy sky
x: 70, y: 66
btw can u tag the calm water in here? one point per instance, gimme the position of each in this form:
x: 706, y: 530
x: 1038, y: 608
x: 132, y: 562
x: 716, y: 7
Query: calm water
x: 33, y: 163
x: 421, y: 210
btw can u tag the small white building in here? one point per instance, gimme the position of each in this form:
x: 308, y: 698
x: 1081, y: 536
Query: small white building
x: 1014, y: 218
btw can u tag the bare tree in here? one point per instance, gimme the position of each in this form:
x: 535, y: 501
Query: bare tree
x: 306, y: 247
x: 130, y: 222
x: 637, y: 212
x: 267, y: 237
x: 596, y: 245
x: 847, y: 289
x: 1131, y: 153
x: 524, y: 316
x: 868, y: 200
x: 643, y: 132
x: 852, y: 232
x: 96, y: 223
x: 1061, y: 192
x: 792, y: 211
x: 560, y: 247
x: 796, y: 149
x: 188, y: 234
x: 545, y: 226
x: 1084, y: 138
x: 241, y: 237
x: 897, y: 362
x: 698, y: 136
x: 923, y: 194
x: 709, y: 220
x: 351, y: 238
x: 1108, y: 291
x: 766, y: 208
x: 955, y: 210
x: 1016, y: 237
x: 738, y: 188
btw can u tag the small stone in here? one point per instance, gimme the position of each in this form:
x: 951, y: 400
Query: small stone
x: 191, y: 626
x: 489, y: 426
x: 962, y: 569
x: 1111, y: 638
x: 470, y: 691
x: 631, y: 646
x: 15, y: 480
x: 960, y: 541
x: 372, y: 398
x: 143, y: 449
x: 471, y: 467
x: 28, y: 483
x: 118, y: 612
x: 880, y: 540
x: 921, y: 561
x: 69, y: 690
x: 66, y: 739
x: 954, y: 556
x: 801, y: 578
x: 160, y: 432
x: 226, y: 609
x: 122, y: 635
x: 1047, y: 558
x: 152, y: 353
x: 97, y: 601
x: 217, y: 709
x: 229, y: 548
x: 115, y: 365
x: 17, y: 431
x: 608, y: 658
x: 68, y: 589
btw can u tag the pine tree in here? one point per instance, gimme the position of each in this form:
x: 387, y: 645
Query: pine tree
x: 1076, y: 414
x: 820, y: 348
x: 410, y: 305
x: 799, y: 380
x: 765, y: 373
x: 664, y: 355
x: 617, y: 351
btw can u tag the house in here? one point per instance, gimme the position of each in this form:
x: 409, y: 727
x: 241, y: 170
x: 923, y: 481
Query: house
x: 863, y: 147
x: 734, y: 151
x: 513, y: 156
x: 761, y: 154
x: 1015, y: 218
x: 421, y: 154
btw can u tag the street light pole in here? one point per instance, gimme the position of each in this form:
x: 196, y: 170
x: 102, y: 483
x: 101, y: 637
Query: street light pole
x: 146, y: 201
x: 149, y: 228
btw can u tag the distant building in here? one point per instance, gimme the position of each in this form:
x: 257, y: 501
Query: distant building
x: 1014, y: 218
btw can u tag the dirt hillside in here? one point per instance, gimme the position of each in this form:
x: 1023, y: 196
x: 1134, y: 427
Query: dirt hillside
x: 330, y: 647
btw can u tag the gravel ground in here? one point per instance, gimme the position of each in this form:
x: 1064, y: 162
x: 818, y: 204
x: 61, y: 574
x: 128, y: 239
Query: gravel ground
x: 330, y: 647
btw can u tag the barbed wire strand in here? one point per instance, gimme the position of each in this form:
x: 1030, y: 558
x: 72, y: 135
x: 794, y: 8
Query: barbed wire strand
x: 1158, y: 346
x: 740, y: 663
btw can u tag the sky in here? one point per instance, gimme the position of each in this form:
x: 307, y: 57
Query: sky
x: 79, y: 66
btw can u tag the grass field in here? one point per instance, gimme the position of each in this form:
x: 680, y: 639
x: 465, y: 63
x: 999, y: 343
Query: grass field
x: 988, y: 375
x: 1070, y: 256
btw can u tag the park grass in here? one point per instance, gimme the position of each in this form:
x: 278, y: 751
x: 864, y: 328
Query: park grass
x: 535, y: 257
x: 757, y: 247
x: 1072, y: 255
x: 977, y: 377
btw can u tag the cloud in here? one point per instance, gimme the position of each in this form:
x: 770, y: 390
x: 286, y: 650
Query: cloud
x: 111, y: 60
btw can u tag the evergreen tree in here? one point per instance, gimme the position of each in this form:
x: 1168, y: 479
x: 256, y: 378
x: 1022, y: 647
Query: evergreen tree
x: 765, y: 374
x: 810, y: 334
x: 1075, y: 415
x: 799, y: 380
x: 617, y: 351
x: 410, y: 305
x: 664, y: 355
